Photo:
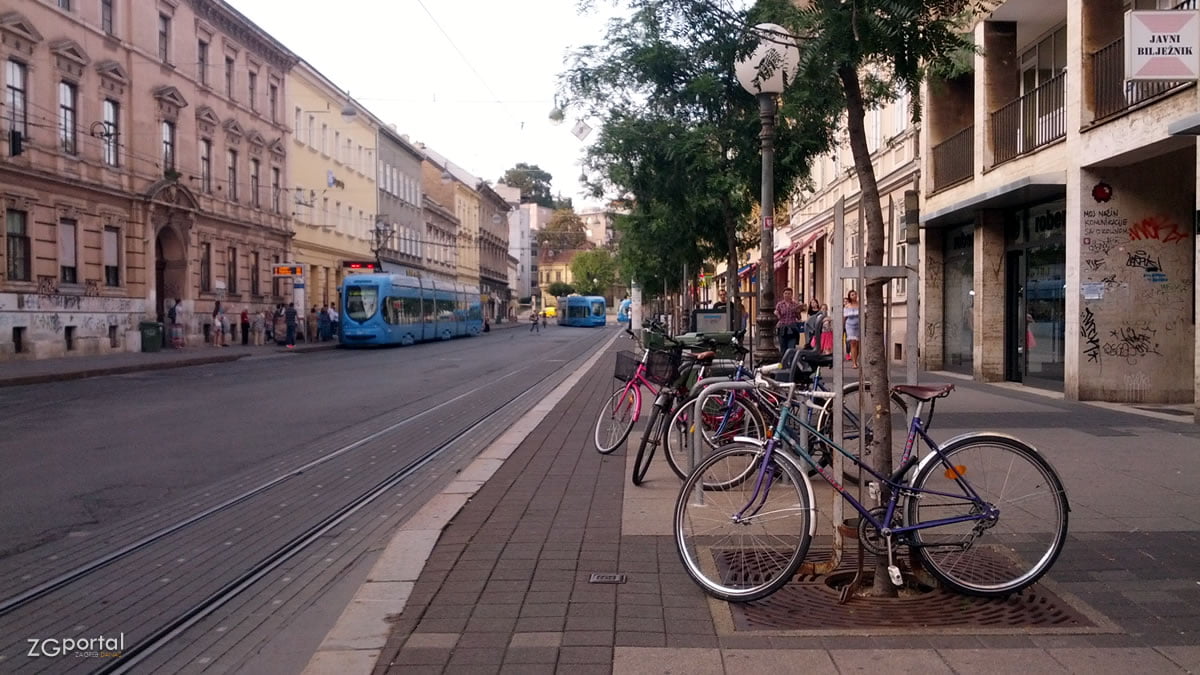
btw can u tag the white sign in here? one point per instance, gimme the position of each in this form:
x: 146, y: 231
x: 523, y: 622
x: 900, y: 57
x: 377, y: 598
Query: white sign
x: 1162, y: 45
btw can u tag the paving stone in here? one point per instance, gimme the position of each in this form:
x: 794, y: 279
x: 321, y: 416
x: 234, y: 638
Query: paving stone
x: 531, y: 655
x: 587, y: 638
x: 915, y: 661
x: 432, y: 640
x: 644, y: 661
x: 809, y: 662
x: 1001, y: 661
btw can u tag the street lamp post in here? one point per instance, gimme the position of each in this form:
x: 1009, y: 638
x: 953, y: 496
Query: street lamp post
x: 765, y: 73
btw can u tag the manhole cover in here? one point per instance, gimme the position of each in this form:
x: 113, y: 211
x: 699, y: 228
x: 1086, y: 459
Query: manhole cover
x: 811, y: 603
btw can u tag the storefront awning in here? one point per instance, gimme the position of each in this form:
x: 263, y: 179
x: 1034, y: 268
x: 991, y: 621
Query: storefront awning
x: 744, y: 270
x: 1031, y: 189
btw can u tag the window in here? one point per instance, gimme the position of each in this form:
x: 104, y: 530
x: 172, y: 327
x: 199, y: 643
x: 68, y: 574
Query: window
x: 252, y: 82
x: 112, y: 133
x: 231, y: 162
x: 900, y: 257
x: 67, y: 102
x: 296, y: 125
x: 324, y: 138
x: 874, y: 124
x: 254, y: 198
x: 231, y: 269
x: 112, y: 248
x: 254, y: 274
x: 275, y: 189
x: 312, y: 124
x: 206, y: 166
x: 206, y: 266
x: 66, y: 252
x: 902, y: 103
x: 273, y: 102
x: 17, y: 249
x: 337, y: 144
x: 202, y: 61
x: 168, y: 145
x: 64, y: 4
x: 229, y: 76
x: 15, y: 101
x: 106, y: 16
x: 164, y: 37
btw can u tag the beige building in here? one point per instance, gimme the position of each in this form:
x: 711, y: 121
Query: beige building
x: 334, y: 197
x: 142, y: 159
x: 493, y: 252
x: 453, y: 188
x: 1059, y: 211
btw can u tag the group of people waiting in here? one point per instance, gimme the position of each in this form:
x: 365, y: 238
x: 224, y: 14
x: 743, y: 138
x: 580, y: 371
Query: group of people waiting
x: 816, y: 330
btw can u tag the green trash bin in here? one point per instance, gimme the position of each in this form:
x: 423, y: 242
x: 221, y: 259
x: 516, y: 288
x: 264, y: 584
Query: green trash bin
x: 152, y: 335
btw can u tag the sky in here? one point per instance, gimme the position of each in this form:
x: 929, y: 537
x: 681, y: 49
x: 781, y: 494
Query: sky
x: 472, y: 79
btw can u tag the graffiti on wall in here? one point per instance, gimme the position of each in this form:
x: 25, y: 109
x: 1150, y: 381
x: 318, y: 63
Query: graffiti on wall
x: 1158, y: 227
x: 1090, y: 335
x: 1132, y: 342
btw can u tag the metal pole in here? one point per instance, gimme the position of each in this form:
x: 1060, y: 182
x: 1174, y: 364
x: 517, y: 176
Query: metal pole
x: 912, y: 235
x: 768, y: 352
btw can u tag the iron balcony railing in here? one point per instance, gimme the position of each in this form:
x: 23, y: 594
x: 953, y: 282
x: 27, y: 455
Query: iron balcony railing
x: 1031, y: 121
x: 1113, y: 94
x: 954, y: 159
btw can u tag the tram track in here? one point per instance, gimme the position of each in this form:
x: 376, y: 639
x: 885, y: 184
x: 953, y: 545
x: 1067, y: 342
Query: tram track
x: 168, y: 630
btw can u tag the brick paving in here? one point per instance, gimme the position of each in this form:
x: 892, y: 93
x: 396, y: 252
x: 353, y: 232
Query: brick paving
x: 506, y: 587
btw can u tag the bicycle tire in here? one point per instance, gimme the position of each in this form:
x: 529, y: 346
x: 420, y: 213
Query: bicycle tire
x: 739, y: 559
x: 1031, y: 523
x: 677, y: 443
x: 824, y: 454
x: 616, y: 420
x: 650, y: 438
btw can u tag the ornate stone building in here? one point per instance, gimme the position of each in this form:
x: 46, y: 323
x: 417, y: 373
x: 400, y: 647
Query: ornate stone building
x: 142, y: 159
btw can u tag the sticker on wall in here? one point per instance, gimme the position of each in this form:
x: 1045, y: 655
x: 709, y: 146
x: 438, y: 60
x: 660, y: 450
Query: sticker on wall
x: 1102, y: 192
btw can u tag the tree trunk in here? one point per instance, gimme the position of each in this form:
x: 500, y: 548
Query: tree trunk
x: 873, y: 362
x: 733, y: 316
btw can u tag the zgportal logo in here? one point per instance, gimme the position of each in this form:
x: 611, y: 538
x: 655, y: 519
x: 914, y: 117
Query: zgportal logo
x: 96, y: 647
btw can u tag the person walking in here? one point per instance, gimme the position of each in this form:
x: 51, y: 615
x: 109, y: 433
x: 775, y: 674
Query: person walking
x: 245, y: 326
x: 533, y: 322
x: 335, y: 319
x: 851, y: 320
x: 218, y: 325
x: 826, y: 331
x: 323, y: 323
x: 175, y: 317
x: 787, y: 312
x: 812, y: 325
x: 289, y: 319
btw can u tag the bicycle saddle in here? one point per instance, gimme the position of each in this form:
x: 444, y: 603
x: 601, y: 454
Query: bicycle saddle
x: 815, y: 358
x: 924, y: 393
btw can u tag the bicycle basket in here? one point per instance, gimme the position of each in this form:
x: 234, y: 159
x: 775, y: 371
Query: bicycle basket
x: 627, y: 365
x: 663, y: 366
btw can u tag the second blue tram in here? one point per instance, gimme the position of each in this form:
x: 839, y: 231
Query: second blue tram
x: 385, y: 309
x: 582, y: 310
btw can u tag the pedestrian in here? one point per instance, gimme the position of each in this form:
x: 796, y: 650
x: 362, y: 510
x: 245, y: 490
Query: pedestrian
x: 175, y: 316
x: 533, y: 322
x: 826, y: 343
x: 335, y: 319
x: 812, y: 325
x: 543, y: 318
x: 245, y: 326
x: 218, y: 325
x: 269, y: 325
x: 851, y: 321
x: 289, y: 319
x: 787, y: 313
x: 323, y: 323
x: 487, y: 327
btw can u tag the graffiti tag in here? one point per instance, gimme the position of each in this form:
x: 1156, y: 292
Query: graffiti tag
x: 1131, y: 343
x: 1157, y: 227
x: 1088, y: 331
x: 1143, y: 260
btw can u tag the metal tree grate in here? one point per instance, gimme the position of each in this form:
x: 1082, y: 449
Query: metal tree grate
x: 811, y: 603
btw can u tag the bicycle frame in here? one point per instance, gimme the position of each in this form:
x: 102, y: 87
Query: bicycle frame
x: 897, y: 489
x: 635, y: 385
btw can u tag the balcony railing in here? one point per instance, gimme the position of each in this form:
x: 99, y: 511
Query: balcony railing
x: 954, y: 159
x: 1113, y: 94
x: 1031, y: 121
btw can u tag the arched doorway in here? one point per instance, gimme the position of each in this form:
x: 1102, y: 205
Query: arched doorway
x: 170, y: 270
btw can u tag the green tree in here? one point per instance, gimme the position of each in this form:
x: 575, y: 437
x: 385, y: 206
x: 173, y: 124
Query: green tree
x: 679, y: 136
x: 533, y: 182
x: 564, y: 232
x: 594, y: 271
x: 861, y: 52
x: 560, y: 288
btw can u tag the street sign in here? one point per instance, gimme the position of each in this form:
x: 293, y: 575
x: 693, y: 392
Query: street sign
x: 287, y: 271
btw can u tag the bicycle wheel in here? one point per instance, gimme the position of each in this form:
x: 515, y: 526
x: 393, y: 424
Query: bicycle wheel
x: 724, y: 418
x: 739, y: 544
x: 852, y: 414
x: 1002, y: 554
x: 616, y: 419
x: 650, y: 439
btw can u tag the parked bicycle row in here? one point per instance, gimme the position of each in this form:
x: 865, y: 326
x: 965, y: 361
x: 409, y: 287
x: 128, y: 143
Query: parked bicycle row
x: 983, y: 512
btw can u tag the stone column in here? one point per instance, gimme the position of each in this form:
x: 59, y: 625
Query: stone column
x: 989, y: 296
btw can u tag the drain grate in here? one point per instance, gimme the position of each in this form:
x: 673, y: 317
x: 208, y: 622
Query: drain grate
x: 811, y: 603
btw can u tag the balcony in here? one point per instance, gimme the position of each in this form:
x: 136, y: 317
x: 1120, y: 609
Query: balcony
x: 954, y: 159
x: 1031, y: 121
x: 1114, y: 95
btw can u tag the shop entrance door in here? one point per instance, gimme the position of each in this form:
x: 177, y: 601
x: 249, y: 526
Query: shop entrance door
x: 1035, y: 315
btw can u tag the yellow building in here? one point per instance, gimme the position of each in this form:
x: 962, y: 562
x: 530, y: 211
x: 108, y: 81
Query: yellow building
x: 453, y: 187
x: 332, y: 170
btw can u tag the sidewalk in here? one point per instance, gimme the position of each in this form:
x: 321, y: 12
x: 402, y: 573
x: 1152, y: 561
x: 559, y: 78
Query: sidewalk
x: 493, y: 575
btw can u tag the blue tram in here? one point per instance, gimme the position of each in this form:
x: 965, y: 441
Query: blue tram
x: 385, y: 309
x: 582, y: 310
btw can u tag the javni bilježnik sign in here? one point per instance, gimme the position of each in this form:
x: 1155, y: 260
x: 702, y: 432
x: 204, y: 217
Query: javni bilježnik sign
x: 1162, y: 45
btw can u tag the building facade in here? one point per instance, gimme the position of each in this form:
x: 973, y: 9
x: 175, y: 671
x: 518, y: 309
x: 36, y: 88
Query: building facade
x: 1058, y: 211
x: 142, y: 153
x: 334, y: 195
x: 441, y: 240
x: 493, y: 251
x: 400, y: 237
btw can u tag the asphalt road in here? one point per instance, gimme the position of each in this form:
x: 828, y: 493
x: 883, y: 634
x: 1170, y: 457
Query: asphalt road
x: 81, y: 455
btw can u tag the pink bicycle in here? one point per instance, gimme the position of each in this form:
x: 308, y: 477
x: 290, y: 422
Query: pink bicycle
x: 622, y: 410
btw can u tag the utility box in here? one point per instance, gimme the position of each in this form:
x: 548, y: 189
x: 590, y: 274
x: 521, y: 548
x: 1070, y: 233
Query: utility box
x: 152, y: 335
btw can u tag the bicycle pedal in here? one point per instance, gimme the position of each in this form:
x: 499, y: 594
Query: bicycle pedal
x: 894, y: 573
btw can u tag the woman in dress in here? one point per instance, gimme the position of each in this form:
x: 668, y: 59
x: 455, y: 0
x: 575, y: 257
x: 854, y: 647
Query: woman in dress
x: 851, y: 324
